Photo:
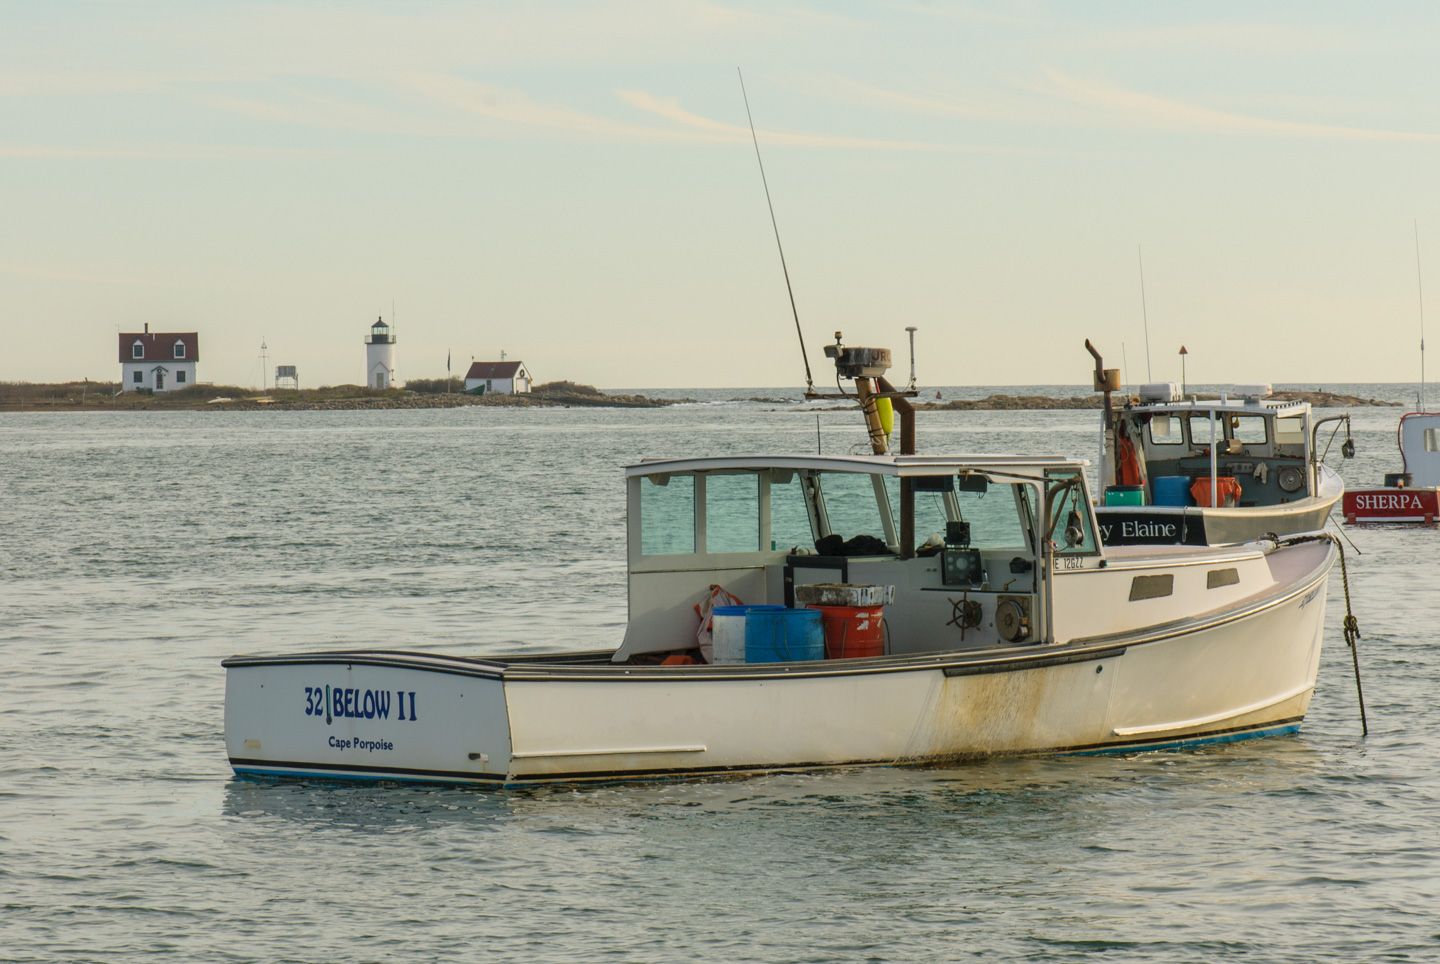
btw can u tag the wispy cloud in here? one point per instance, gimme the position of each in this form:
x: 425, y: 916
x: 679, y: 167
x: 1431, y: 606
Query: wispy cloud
x: 297, y: 108
x: 60, y: 274
x: 974, y: 104
x: 1016, y: 15
x: 1269, y: 40
x: 1137, y: 107
x: 670, y: 109
x: 516, y: 109
x: 174, y: 152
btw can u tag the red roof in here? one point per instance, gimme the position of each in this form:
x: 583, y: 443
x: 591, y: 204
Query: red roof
x: 493, y: 369
x: 159, y: 346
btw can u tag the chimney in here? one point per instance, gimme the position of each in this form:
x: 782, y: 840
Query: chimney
x: 147, y: 327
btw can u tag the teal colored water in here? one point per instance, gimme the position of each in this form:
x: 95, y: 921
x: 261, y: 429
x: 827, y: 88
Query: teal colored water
x: 138, y: 549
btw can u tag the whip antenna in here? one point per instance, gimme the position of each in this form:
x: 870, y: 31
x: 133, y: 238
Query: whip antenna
x: 1144, y: 314
x: 809, y: 382
x: 1419, y: 287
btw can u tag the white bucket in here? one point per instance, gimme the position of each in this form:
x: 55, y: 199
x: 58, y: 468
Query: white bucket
x: 728, y: 633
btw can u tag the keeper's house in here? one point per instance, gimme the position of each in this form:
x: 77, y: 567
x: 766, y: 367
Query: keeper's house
x: 160, y: 362
x: 498, y: 377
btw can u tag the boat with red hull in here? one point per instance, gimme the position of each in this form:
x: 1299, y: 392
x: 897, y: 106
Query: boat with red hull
x: 1411, y: 495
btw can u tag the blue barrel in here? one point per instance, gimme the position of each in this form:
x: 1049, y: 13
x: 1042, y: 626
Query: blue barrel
x: 1171, y: 490
x: 783, y: 635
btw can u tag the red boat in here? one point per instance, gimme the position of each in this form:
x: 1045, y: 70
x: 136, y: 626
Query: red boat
x: 1411, y: 495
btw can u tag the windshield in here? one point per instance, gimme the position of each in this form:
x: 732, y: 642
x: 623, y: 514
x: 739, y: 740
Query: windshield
x: 997, y: 513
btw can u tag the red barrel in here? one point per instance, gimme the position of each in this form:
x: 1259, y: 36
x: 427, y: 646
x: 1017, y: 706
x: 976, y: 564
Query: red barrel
x: 853, y: 631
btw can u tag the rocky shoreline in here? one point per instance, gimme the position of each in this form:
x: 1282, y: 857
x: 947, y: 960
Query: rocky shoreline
x: 1042, y: 402
x: 273, y: 402
x: 318, y: 401
x: 531, y: 400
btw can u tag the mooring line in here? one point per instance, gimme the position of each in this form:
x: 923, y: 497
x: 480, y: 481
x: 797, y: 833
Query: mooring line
x: 1352, y: 634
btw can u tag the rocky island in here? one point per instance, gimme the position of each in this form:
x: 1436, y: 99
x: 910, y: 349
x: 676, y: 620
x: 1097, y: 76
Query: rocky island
x: 94, y: 396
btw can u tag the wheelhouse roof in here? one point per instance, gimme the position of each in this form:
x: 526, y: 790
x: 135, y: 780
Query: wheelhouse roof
x: 897, y: 465
x: 1242, y: 405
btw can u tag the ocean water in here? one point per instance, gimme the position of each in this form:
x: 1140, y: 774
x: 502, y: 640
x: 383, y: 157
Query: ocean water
x: 138, y: 549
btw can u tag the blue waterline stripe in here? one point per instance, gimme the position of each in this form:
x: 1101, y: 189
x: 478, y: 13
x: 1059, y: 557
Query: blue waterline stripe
x: 1233, y: 737
x: 340, y: 772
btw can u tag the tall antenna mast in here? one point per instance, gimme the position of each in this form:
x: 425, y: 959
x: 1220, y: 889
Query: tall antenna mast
x: 809, y: 382
x: 1420, y: 287
x: 1144, y: 314
x: 264, y: 371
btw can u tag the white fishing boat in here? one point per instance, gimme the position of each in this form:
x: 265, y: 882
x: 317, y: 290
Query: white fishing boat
x: 1177, y: 470
x: 1412, y: 494
x: 1011, y: 628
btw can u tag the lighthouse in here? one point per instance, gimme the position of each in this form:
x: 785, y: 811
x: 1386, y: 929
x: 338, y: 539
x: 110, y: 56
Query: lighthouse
x: 380, y: 356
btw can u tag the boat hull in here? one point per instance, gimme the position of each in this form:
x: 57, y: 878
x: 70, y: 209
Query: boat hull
x: 1231, y: 675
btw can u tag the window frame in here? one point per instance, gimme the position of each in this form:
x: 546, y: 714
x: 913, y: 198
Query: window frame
x: 1176, y: 438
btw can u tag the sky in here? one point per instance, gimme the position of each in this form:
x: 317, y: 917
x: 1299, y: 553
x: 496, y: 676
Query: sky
x: 575, y: 184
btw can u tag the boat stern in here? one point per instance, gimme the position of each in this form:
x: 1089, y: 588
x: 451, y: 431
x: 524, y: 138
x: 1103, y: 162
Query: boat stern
x: 368, y: 716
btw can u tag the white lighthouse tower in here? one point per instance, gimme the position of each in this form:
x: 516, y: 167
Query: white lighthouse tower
x: 380, y: 356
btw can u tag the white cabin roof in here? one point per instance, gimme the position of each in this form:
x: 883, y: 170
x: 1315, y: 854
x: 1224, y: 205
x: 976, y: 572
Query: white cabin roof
x: 1274, y: 407
x: 897, y: 465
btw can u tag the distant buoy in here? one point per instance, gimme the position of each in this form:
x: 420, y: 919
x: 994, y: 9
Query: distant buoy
x: 887, y: 414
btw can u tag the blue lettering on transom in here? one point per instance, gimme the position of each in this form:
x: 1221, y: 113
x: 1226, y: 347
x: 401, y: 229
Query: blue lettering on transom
x: 353, y: 704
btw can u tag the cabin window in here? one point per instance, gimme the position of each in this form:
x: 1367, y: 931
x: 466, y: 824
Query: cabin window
x: 1200, y: 431
x: 1070, y: 511
x: 994, y: 514
x: 137, y: 350
x: 1165, y: 430
x: 1152, y: 587
x: 1432, y: 440
x: 732, y: 513
x: 180, y: 378
x: 1249, y: 429
x: 667, y: 515
x: 850, y: 506
x: 139, y: 377
x: 1219, y: 578
x: 179, y: 349
x: 789, y: 518
x: 1290, y: 430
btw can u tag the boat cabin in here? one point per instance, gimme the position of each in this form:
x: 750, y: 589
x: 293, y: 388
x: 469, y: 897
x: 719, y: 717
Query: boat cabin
x: 969, y: 545
x: 1167, y: 452
x: 1419, y: 436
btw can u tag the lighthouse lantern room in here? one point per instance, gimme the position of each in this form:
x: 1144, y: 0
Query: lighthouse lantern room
x: 380, y: 356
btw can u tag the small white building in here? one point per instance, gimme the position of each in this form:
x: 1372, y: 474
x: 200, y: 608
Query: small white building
x: 161, y: 362
x: 498, y: 377
x: 380, y: 356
